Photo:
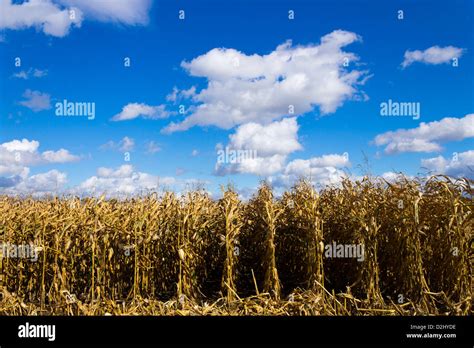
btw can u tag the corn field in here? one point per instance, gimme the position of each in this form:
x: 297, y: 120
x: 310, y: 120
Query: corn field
x: 189, y: 254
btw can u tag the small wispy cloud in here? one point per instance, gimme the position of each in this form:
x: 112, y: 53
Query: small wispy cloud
x: 135, y: 110
x: 152, y: 147
x: 36, y: 100
x: 26, y: 74
x: 433, y: 55
x: 124, y: 145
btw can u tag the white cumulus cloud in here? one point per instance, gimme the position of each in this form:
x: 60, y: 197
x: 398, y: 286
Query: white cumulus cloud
x: 48, y: 182
x: 427, y: 136
x: 25, y: 153
x: 16, y: 158
x: 291, y: 80
x: 125, y: 181
x: 51, y: 182
x: 323, y: 170
x: 459, y: 165
x: 60, y: 156
x: 43, y: 15
x: 24, y: 145
x: 131, y: 12
x: 57, y: 17
x: 264, y: 148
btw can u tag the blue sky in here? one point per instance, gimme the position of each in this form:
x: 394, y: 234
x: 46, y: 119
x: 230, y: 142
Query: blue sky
x: 335, y: 124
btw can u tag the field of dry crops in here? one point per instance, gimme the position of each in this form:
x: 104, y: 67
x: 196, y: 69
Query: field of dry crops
x: 192, y: 255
